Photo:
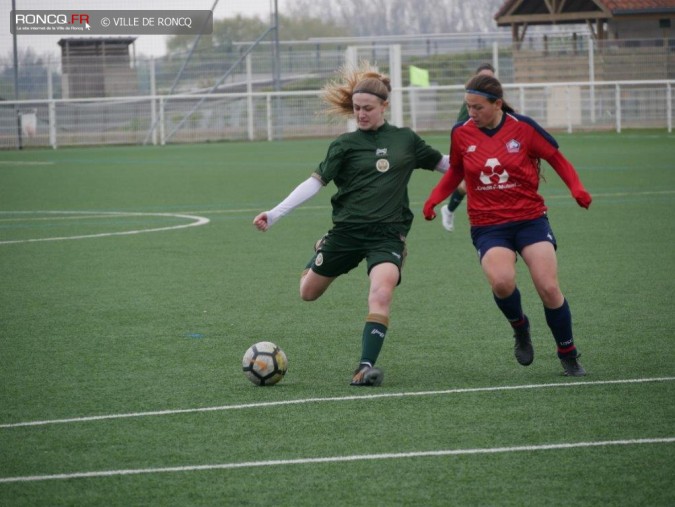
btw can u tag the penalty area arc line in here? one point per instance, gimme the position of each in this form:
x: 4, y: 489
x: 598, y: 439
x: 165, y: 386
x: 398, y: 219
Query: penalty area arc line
x: 196, y: 222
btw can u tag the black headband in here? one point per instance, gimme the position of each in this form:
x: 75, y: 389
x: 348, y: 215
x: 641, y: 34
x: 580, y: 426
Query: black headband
x: 379, y: 95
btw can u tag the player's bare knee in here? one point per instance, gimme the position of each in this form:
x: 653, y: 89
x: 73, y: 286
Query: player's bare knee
x: 309, y: 292
x: 379, y: 299
x: 309, y: 296
x: 503, y: 288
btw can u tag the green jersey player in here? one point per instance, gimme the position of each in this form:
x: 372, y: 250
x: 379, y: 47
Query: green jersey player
x: 371, y: 168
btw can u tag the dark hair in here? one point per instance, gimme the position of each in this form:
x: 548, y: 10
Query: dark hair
x: 490, y: 88
x: 485, y: 66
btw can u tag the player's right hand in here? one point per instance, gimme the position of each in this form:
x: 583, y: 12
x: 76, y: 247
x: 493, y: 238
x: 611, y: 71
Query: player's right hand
x: 260, y: 221
x: 583, y: 198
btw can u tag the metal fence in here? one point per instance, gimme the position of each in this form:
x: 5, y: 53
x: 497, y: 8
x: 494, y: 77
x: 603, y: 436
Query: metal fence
x: 574, y: 106
x: 303, y: 65
x: 562, y: 81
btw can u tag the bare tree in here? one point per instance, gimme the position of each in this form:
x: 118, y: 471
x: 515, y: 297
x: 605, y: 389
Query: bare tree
x: 401, y: 17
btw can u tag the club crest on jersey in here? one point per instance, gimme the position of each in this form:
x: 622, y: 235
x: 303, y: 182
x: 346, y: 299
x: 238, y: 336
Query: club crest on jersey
x: 382, y: 165
x: 513, y: 146
x: 319, y: 259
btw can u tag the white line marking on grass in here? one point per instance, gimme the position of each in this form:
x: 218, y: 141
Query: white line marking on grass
x: 337, y: 459
x: 329, y: 399
x: 196, y: 222
x: 26, y: 162
x: 419, y: 203
x: 21, y: 216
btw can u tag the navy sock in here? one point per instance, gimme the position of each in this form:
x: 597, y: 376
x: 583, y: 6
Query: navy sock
x: 512, y: 309
x: 455, y: 200
x: 560, y: 322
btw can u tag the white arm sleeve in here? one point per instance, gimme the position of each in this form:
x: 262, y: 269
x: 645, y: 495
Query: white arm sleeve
x: 304, y: 191
x: 443, y: 165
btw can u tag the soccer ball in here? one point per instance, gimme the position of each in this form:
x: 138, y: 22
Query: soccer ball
x: 264, y: 364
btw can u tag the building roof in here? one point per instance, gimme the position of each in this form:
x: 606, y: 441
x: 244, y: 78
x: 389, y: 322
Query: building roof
x: 536, y: 12
x: 88, y: 41
x: 618, y: 7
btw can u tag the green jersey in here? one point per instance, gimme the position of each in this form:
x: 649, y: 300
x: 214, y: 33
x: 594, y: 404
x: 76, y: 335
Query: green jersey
x: 371, y: 169
x: 463, y: 113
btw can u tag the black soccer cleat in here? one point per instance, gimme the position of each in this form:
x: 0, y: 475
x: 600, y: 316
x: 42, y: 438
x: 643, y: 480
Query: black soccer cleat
x: 523, y: 349
x: 572, y: 367
x: 366, y: 375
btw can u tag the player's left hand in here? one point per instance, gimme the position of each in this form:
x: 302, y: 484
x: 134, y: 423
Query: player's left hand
x: 428, y: 210
x: 583, y: 198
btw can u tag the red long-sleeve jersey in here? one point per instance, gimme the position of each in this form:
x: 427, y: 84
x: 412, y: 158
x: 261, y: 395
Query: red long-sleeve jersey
x: 500, y: 167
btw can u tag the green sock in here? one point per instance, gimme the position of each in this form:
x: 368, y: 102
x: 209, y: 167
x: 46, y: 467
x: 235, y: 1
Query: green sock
x: 373, y: 337
x: 455, y: 200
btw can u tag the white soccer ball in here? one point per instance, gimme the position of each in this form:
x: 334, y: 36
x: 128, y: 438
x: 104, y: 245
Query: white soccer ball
x: 264, y: 364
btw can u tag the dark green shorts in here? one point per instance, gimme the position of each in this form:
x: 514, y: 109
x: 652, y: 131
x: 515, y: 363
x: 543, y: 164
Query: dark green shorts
x: 346, y: 245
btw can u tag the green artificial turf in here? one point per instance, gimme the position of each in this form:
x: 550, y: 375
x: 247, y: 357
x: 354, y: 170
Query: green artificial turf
x: 126, y: 347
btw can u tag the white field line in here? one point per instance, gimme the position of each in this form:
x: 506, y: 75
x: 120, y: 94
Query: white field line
x: 269, y: 404
x: 337, y: 459
x: 196, y: 222
x: 26, y: 162
x: 199, y: 220
x: 419, y: 203
x: 22, y: 216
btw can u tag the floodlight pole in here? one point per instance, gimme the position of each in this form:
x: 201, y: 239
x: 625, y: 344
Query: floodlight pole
x: 277, y: 58
x: 276, y: 71
x: 153, y: 127
x: 217, y: 84
x: 19, y: 141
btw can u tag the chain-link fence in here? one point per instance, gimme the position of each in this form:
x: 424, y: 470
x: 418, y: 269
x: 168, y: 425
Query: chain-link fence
x: 305, y: 65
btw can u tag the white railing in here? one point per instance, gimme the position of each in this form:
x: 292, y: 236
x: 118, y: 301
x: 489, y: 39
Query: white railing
x: 570, y: 106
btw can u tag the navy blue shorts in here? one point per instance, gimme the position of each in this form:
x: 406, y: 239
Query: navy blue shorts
x: 513, y: 235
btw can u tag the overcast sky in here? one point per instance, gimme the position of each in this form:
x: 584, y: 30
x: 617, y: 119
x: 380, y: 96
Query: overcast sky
x: 145, y: 44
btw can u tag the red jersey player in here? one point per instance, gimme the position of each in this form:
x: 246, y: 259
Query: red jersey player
x: 497, y: 153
